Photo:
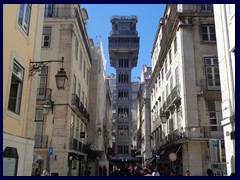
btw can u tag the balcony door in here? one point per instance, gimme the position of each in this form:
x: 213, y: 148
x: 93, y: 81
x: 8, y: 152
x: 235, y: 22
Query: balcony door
x: 42, y: 85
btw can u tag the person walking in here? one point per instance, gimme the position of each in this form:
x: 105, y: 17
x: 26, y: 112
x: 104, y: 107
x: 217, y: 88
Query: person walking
x: 44, y: 173
x: 155, y: 172
x: 209, y: 172
x: 187, y: 173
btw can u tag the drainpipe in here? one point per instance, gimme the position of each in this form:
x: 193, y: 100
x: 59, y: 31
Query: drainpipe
x: 228, y: 58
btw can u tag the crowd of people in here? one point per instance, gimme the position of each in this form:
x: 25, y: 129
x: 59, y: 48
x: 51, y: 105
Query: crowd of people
x: 137, y: 170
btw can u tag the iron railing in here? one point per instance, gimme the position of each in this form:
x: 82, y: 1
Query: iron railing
x: 44, y: 93
x: 77, y: 103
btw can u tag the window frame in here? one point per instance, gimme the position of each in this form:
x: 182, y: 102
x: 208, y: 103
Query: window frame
x: 45, y: 35
x: 208, y: 26
x: 23, y: 13
x: 19, y: 89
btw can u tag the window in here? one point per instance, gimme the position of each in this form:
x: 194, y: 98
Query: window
x: 122, y: 149
x: 123, y: 130
x: 177, y: 76
x: 48, y: 10
x: 207, y: 7
x: 83, y: 97
x: 79, y: 91
x: 175, y: 45
x: 39, y: 124
x: 24, y: 16
x: 46, y: 37
x: 81, y: 60
x: 74, y: 84
x: 170, y: 56
x: 76, y: 48
x: 84, y: 69
x: 212, y: 73
x: 123, y: 62
x: 122, y: 94
x: 171, y: 83
x: 215, y: 115
x: 15, y: 94
x: 166, y: 65
x: 76, y: 128
x: 42, y: 90
x: 208, y: 33
x: 123, y: 112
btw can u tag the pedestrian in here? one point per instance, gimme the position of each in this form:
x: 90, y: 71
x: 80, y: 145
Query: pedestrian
x: 155, y: 172
x: 187, y: 173
x: 209, y: 172
x: 146, y: 172
x: 74, y: 172
x: 44, y: 173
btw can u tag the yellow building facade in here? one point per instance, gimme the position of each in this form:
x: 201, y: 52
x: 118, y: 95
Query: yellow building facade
x: 22, y: 30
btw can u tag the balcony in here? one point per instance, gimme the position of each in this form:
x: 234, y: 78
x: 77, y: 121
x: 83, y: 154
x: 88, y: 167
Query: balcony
x: 43, y: 94
x: 124, y: 32
x: 77, y: 145
x: 206, y: 86
x: 80, y: 109
x: 213, y: 131
x: 41, y: 141
x: 115, y: 45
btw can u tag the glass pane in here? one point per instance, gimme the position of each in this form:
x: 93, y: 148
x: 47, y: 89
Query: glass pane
x: 212, y: 37
x: 20, y: 15
x: 46, y: 38
x: 210, y: 83
x: 212, y: 29
x: 208, y: 61
x: 211, y: 105
x: 215, y: 61
x: 213, y: 121
x: 27, y: 14
x: 205, y: 37
x: 204, y: 29
x: 209, y: 76
x: 209, y: 70
x: 212, y: 115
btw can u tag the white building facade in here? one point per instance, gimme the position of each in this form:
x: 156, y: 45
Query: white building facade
x: 224, y: 15
x: 185, y: 92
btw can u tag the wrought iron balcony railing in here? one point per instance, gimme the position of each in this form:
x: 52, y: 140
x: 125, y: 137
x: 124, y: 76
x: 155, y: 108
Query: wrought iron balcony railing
x: 78, y: 104
x: 44, y: 93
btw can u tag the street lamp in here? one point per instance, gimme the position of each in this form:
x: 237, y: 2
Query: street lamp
x: 163, y: 117
x: 36, y: 66
x: 47, y: 106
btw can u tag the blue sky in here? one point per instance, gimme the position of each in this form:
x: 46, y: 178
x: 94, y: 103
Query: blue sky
x: 148, y: 18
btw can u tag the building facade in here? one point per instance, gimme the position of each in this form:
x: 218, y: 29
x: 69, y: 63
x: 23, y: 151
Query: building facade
x: 61, y: 134
x: 123, y: 50
x: 98, y: 109
x: 186, y: 93
x: 144, y: 116
x: 224, y: 15
x: 22, y: 29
